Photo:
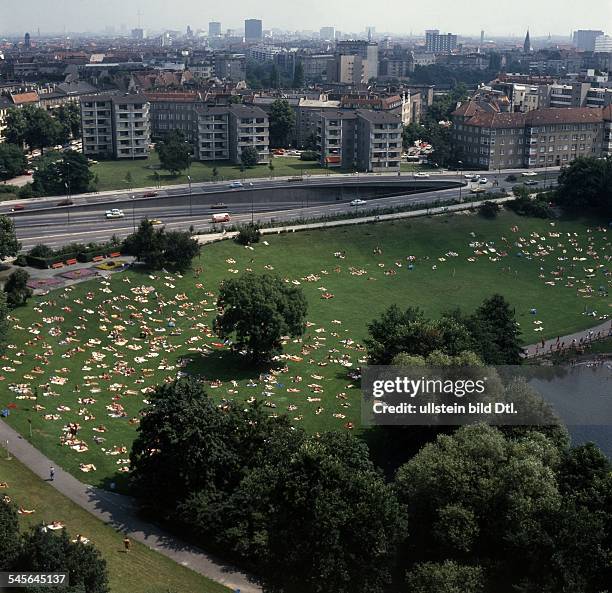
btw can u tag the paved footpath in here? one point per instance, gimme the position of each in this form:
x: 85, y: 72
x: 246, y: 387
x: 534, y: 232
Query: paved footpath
x: 121, y: 513
x: 588, y: 335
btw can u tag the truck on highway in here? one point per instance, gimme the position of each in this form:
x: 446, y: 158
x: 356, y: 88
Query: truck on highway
x: 223, y: 217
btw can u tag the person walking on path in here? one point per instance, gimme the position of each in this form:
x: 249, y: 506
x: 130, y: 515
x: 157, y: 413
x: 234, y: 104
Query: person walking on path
x: 51, y: 474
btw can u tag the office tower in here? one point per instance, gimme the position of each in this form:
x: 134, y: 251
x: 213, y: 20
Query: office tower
x: 439, y: 44
x: 214, y: 29
x: 327, y: 33
x: 584, y: 39
x: 253, y: 30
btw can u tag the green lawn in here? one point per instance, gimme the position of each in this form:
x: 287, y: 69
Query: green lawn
x: 140, y: 571
x: 452, y: 268
x: 112, y: 174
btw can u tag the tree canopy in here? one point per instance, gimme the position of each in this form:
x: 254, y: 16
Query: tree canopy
x: 17, y: 289
x: 158, y: 248
x: 35, y: 127
x: 257, y: 310
x: 249, y: 156
x: 9, y: 246
x: 282, y: 123
x: 13, y: 161
x: 586, y: 185
x: 61, y: 173
x: 174, y: 152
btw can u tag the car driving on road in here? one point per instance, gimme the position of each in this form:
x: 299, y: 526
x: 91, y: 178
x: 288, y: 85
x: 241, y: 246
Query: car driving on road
x: 235, y: 184
x: 114, y: 213
x: 420, y: 175
x: 358, y: 202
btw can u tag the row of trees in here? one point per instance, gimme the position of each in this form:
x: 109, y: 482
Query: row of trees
x: 36, y: 127
x: 157, y: 248
x: 477, y: 510
x: 490, y: 332
x: 40, y: 550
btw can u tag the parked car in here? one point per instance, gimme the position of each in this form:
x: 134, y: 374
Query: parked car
x: 420, y: 175
x: 235, y: 184
x: 149, y: 194
x: 358, y: 202
x: 532, y: 182
x: 483, y: 180
x: 474, y: 177
x: 478, y: 190
x: 114, y: 213
x: 528, y: 173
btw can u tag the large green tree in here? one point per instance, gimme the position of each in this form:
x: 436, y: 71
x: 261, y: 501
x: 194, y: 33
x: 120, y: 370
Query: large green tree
x: 317, y: 518
x: 69, y: 116
x: 257, y: 310
x: 12, y: 161
x: 478, y: 494
x: 9, y: 246
x: 298, y: 76
x: 174, y: 152
x: 188, y: 447
x: 282, y: 123
x: 61, y: 173
x: 10, y: 541
x: 249, y: 156
x: 41, y: 130
x: 410, y: 332
x: 158, y: 249
x: 17, y: 289
x: 586, y: 185
x: 46, y: 551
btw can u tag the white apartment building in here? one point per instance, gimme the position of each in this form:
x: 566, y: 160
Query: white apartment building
x: 116, y: 126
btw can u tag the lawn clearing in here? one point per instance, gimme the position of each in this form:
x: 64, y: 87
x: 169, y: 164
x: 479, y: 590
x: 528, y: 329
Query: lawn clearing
x: 140, y: 571
x: 79, y: 355
x: 112, y: 174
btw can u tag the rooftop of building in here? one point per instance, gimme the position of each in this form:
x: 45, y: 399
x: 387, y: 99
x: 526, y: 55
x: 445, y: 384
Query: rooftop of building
x: 247, y: 111
x: 379, y: 117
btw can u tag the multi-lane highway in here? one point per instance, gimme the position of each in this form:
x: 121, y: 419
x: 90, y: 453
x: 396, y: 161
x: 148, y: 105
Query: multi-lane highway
x: 45, y: 221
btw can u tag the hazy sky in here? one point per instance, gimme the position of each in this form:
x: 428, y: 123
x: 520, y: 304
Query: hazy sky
x: 398, y: 16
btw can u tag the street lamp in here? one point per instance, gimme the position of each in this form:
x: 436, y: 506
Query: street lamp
x: 68, y: 200
x: 190, y: 204
x: 133, y: 212
x: 459, y: 170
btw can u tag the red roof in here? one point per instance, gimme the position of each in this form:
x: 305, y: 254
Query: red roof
x: 23, y: 98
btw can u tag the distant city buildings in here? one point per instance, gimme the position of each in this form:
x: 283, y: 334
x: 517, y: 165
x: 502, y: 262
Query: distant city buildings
x: 214, y: 29
x: 584, y: 39
x: 253, y: 30
x: 439, y: 44
x: 603, y: 44
x: 327, y: 33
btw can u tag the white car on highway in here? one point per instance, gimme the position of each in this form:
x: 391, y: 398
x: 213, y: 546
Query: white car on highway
x: 235, y: 184
x: 421, y: 175
x: 114, y: 213
x: 358, y: 202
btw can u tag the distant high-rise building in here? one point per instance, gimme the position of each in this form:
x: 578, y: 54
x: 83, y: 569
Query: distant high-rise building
x: 439, y: 44
x: 370, y: 32
x: 26, y: 41
x: 527, y: 43
x: 327, y: 33
x: 138, y: 34
x: 367, y: 51
x: 253, y: 30
x: 603, y: 44
x: 584, y: 39
x: 481, y: 38
x: 214, y: 29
